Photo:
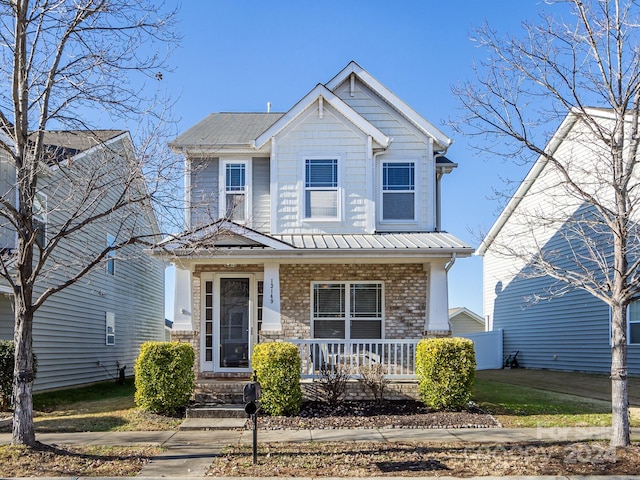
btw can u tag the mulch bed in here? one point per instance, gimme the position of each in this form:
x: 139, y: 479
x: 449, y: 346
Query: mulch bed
x: 388, y: 414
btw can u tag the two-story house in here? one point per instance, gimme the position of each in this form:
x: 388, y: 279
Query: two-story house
x: 92, y: 328
x: 320, y: 225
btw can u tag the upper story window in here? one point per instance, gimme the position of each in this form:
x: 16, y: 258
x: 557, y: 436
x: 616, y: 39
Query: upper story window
x: 398, y: 191
x: 321, y: 188
x: 234, y: 198
x: 39, y: 219
x: 111, y: 256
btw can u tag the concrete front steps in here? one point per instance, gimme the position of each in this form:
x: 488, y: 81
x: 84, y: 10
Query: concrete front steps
x: 215, y: 417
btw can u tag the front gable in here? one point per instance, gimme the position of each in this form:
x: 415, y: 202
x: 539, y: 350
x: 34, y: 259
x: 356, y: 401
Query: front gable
x: 382, y: 156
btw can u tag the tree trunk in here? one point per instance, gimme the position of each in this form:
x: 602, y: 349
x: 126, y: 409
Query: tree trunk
x: 620, y: 436
x: 23, y: 430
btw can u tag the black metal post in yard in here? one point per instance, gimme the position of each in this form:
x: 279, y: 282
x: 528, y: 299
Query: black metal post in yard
x: 255, y: 438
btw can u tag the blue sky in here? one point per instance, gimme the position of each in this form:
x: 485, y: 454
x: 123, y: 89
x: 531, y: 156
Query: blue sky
x: 237, y: 55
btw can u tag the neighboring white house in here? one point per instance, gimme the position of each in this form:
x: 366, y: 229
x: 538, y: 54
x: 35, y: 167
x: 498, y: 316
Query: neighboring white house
x: 463, y: 322
x: 320, y: 225
x: 89, y: 330
x: 552, y: 326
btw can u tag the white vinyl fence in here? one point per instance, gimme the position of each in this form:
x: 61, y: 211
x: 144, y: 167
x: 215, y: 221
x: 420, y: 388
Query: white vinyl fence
x: 488, y: 347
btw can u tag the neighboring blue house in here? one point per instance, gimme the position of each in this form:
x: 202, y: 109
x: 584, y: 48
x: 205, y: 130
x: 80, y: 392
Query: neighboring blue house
x: 551, y: 326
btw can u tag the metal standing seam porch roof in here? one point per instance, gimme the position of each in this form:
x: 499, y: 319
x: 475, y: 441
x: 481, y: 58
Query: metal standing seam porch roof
x: 245, y: 241
x: 379, y: 241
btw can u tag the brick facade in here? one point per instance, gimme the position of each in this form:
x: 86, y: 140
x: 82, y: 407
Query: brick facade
x: 405, y: 302
x: 405, y: 296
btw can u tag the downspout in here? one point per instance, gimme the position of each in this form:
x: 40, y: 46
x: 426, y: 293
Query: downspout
x: 450, y: 263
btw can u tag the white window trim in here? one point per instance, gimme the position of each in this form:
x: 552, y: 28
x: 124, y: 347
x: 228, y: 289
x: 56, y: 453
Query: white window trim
x: 222, y: 182
x: 417, y: 214
x: 110, y: 322
x: 629, y: 322
x: 347, y: 307
x: 303, y: 190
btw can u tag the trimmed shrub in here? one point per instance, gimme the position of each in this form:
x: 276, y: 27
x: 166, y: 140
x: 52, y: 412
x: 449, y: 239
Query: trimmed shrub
x: 446, y: 368
x: 164, y: 377
x: 7, y: 365
x: 277, y: 365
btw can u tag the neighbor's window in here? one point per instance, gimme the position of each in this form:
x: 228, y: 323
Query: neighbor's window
x: 235, y: 191
x: 633, y: 318
x: 39, y: 218
x: 110, y: 328
x: 347, y: 310
x: 398, y: 191
x: 111, y: 256
x: 321, y: 188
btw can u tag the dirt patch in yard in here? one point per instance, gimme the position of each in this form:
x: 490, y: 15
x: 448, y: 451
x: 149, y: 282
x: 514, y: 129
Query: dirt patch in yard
x: 366, y: 459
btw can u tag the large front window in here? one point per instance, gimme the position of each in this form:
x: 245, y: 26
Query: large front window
x: 321, y: 188
x: 398, y: 191
x: 347, y: 310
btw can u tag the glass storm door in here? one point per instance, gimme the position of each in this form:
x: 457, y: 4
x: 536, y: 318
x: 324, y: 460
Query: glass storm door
x: 234, y: 323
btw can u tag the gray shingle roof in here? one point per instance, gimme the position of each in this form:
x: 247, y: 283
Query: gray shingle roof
x: 226, y: 129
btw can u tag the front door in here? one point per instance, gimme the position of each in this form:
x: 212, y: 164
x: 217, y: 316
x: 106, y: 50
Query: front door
x: 234, y: 323
x: 231, y: 321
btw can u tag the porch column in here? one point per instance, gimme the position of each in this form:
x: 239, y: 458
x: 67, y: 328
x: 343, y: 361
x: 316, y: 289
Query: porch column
x: 437, y: 321
x: 271, y: 321
x: 182, y: 319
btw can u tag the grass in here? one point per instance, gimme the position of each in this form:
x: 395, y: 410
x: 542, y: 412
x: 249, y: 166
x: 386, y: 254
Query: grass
x: 518, y: 406
x: 103, y: 407
x: 108, y: 407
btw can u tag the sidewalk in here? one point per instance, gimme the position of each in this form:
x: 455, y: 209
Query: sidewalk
x: 189, y: 453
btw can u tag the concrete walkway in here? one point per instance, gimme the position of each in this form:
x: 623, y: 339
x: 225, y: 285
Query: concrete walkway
x: 190, y: 451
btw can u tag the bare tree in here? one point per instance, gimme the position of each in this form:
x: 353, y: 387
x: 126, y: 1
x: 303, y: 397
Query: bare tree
x: 65, y: 62
x: 585, y: 53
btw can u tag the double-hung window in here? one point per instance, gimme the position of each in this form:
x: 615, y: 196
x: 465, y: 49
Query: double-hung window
x: 321, y: 188
x: 633, y: 319
x: 39, y: 218
x: 398, y: 191
x: 347, y: 310
x: 111, y: 255
x: 235, y: 191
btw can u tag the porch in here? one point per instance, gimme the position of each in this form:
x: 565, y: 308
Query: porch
x: 397, y: 357
x: 317, y: 357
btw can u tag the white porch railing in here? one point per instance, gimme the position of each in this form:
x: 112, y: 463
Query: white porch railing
x: 398, y: 357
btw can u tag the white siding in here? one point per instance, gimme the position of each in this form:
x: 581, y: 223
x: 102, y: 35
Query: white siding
x: 331, y: 136
x: 408, y: 144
